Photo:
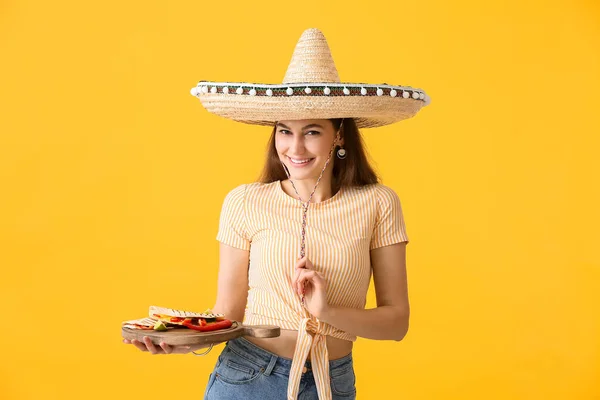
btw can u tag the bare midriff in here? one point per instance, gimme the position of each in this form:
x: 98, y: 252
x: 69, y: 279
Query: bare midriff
x: 285, y: 344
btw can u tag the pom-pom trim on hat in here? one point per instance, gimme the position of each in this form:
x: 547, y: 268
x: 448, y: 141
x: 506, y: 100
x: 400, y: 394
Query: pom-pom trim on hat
x: 304, y: 89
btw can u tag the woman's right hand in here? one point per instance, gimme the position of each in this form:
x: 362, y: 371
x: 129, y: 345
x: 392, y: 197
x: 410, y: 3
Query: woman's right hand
x: 163, y: 348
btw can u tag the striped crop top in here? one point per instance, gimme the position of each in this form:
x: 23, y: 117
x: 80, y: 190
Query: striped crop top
x: 340, y: 231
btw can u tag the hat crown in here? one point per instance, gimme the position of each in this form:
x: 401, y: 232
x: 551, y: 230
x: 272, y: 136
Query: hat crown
x: 312, y: 61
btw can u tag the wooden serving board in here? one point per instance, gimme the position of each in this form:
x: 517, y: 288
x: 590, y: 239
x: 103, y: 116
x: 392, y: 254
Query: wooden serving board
x: 187, y: 337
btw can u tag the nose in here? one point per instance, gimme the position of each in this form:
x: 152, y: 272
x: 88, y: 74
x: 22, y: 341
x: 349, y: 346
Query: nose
x: 297, y: 145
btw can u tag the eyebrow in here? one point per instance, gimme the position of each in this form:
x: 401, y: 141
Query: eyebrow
x: 306, y: 127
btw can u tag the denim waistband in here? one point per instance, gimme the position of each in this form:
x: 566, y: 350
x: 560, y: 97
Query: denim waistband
x: 271, y: 361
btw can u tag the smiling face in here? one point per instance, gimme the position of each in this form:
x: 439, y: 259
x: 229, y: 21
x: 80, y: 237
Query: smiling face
x: 304, y: 145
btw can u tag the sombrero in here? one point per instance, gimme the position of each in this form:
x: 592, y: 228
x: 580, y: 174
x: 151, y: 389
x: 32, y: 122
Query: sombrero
x: 311, y: 89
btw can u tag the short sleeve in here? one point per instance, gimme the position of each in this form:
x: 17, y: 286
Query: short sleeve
x: 389, y: 225
x: 232, y: 222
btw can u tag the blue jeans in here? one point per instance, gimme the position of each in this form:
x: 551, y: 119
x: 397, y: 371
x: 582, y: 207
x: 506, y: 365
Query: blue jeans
x: 246, y: 371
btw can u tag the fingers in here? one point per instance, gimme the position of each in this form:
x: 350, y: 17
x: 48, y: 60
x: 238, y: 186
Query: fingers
x: 306, y: 276
x: 151, y: 347
x: 147, y: 345
x: 302, y: 264
x: 166, y: 348
x: 297, y: 287
x: 310, y: 276
x: 139, y: 345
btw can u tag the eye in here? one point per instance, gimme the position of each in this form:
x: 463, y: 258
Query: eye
x: 310, y: 133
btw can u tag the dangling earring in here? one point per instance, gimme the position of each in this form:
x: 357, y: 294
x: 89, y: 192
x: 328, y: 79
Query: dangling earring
x: 341, y: 153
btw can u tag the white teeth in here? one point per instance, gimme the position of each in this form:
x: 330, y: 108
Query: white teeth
x: 299, y: 161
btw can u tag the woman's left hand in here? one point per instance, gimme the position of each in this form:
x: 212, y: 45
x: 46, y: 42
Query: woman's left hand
x: 314, y: 286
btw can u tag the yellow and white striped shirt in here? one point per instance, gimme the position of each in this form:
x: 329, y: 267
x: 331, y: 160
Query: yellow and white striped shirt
x: 340, y: 232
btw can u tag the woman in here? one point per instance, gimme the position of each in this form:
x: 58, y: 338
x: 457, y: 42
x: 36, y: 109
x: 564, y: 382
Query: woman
x: 355, y: 228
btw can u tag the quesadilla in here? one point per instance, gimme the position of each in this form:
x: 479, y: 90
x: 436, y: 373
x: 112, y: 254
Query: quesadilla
x: 162, y: 319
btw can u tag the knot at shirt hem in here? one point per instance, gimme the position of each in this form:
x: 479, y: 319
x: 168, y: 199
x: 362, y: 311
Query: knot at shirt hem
x: 310, y: 339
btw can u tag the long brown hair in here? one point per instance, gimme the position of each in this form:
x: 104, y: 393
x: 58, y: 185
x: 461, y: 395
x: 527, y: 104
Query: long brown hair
x: 354, y: 170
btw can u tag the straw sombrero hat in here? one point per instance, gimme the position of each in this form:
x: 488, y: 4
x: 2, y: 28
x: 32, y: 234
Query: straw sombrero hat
x: 311, y: 89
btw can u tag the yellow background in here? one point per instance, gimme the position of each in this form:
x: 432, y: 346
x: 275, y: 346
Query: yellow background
x: 112, y: 178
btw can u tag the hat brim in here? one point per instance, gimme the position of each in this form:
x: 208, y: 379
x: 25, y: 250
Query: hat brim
x: 369, y: 109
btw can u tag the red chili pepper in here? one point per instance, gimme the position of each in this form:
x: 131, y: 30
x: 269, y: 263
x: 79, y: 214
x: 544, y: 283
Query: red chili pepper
x: 209, y: 327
